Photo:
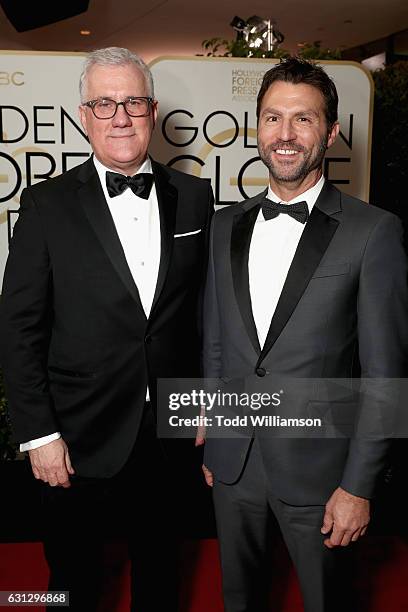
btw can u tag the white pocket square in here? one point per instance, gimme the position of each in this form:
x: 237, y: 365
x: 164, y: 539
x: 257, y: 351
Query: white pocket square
x: 187, y: 234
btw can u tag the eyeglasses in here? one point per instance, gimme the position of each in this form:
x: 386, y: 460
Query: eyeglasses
x: 105, y: 108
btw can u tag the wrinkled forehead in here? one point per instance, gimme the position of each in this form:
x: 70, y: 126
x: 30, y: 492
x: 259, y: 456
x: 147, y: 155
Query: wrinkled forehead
x: 290, y: 95
x: 113, y: 80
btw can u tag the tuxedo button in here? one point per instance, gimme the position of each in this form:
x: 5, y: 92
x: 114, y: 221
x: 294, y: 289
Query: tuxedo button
x: 260, y: 372
x: 148, y: 339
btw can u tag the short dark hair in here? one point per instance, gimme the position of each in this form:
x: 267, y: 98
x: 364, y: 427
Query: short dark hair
x: 295, y: 70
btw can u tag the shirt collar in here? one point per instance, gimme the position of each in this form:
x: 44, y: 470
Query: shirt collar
x: 310, y: 196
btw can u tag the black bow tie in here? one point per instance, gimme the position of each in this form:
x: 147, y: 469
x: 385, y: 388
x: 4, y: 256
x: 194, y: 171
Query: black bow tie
x: 298, y: 210
x: 140, y: 184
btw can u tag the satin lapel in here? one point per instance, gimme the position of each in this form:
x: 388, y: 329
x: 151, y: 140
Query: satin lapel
x: 96, y: 209
x: 167, y: 200
x: 241, y: 235
x: 315, y: 239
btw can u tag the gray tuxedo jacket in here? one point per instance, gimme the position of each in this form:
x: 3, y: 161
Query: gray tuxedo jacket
x: 344, y: 303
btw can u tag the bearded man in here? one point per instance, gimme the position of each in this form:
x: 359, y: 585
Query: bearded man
x: 304, y: 282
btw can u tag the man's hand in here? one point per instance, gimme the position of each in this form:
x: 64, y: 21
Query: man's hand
x: 209, y: 479
x: 346, y: 516
x: 51, y: 463
x: 200, y: 439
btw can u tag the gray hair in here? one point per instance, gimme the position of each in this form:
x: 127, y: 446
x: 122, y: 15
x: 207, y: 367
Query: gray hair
x: 114, y: 56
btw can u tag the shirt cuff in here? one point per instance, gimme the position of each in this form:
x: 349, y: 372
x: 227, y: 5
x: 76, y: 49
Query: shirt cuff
x: 39, y: 442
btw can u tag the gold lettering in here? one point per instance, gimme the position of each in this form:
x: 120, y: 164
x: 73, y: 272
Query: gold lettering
x: 11, y: 78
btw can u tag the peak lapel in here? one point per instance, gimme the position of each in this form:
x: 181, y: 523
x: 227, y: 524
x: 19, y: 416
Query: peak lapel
x: 314, y: 241
x: 167, y: 200
x: 92, y: 198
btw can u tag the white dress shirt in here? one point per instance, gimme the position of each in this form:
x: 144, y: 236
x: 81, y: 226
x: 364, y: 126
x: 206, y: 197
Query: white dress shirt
x: 271, y: 252
x: 137, y: 223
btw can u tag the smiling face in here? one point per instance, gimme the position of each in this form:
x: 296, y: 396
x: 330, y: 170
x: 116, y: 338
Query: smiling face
x: 293, y: 135
x: 120, y: 143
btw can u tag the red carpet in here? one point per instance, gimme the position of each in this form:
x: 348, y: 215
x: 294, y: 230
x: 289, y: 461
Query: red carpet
x: 381, y: 576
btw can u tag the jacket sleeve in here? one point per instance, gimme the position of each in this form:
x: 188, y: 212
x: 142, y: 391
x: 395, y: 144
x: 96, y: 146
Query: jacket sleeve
x: 382, y: 311
x: 25, y: 326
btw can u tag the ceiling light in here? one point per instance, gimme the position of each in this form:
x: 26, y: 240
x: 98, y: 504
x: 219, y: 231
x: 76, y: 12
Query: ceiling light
x: 258, y: 32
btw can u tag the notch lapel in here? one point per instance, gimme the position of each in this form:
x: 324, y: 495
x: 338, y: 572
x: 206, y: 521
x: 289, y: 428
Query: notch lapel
x: 167, y: 200
x: 92, y: 198
x: 241, y: 234
x: 313, y: 243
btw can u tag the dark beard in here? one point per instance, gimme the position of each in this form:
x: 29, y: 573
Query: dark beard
x: 309, y: 163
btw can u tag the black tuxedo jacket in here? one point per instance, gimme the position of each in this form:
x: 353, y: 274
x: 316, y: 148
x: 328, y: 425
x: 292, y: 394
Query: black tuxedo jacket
x: 77, y: 349
x: 344, y: 301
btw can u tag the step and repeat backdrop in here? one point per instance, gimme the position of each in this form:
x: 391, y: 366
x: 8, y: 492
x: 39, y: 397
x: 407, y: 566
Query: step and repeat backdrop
x: 206, y: 126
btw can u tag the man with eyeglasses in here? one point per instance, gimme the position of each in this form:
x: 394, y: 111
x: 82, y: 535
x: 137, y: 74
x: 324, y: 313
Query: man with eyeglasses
x: 101, y: 297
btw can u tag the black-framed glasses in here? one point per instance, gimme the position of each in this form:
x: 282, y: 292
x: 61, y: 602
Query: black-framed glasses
x: 105, y: 108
